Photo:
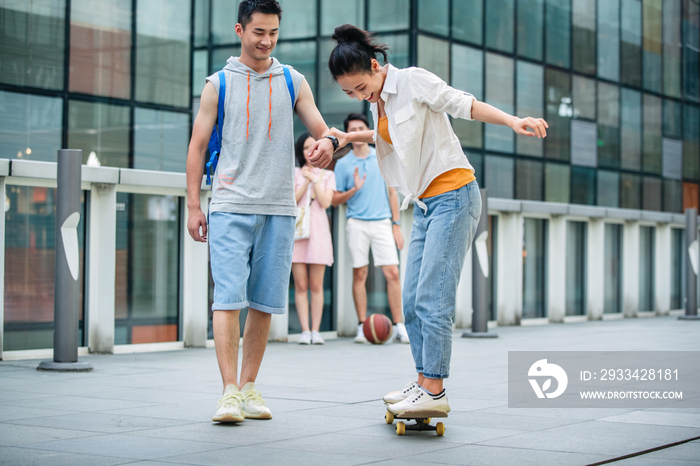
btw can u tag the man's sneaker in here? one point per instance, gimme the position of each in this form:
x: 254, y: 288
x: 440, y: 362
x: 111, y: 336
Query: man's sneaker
x: 305, y: 338
x: 420, y: 400
x: 229, y: 409
x: 395, y: 397
x: 360, y: 338
x: 253, y: 405
x: 400, y: 334
x: 316, y: 338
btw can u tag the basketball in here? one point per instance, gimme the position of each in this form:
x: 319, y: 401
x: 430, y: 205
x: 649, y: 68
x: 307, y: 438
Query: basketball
x: 377, y: 329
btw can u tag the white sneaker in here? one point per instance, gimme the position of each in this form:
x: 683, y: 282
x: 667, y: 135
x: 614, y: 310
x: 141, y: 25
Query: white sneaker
x: 405, y: 392
x: 253, y: 406
x: 360, y: 338
x: 229, y: 409
x: 420, y: 400
x: 305, y: 338
x: 400, y: 334
x: 316, y: 338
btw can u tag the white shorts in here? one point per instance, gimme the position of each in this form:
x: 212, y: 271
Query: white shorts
x: 375, y: 233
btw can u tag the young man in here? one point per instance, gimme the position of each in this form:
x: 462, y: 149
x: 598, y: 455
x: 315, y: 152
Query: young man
x: 252, y: 211
x: 372, y: 221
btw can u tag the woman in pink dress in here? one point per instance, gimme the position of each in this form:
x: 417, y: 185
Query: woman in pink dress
x: 312, y: 255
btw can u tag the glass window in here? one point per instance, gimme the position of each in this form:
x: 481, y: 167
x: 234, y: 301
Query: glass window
x: 608, y: 188
x: 673, y: 117
x: 476, y: 159
x: 673, y: 196
x: 582, y: 185
x: 500, y: 90
x: 651, y: 53
x: 434, y: 55
x: 651, y: 192
x: 32, y: 39
x: 499, y: 176
x: 200, y: 70
x: 576, y: 250
x: 584, y: 35
x: 529, y: 102
x: 691, y: 47
x: 608, y: 125
x: 630, y: 191
x: 335, y: 13
x: 433, y: 16
x: 534, y: 267
x: 584, y: 97
x: 201, y: 23
x: 613, y: 269
x: 691, y: 196
x: 609, y: 40
x: 100, y: 47
x: 333, y: 103
x: 557, y: 182
x: 220, y: 56
x: 557, y: 144
x: 500, y: 15
x: 691, y: 142
x: 677, y: 268
x: 388, y: 15
x: 299, y: 19
x: 163, y: 49
x: 558, y: 32
x: 102, y: 129
x: 467, y: 20
x: 468, y: 75
x: 224, y: 16
x: 672, y: 48
x: 529, y: 184
x: 160, y: 140
x: 646, y: 268
x: 530, y: 28
x: 652, y: 134
x: 631, y: 129
x: 30, y: 253
x: 631, y: 43
x: 30, y: 126
x: 399, y: 53
x: 301, y: 56
x: 148, y: 267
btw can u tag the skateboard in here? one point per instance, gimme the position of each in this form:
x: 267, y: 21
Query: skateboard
x: 422, y: 421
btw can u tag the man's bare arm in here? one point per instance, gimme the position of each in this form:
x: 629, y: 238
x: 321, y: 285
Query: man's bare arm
x: 322, y: 150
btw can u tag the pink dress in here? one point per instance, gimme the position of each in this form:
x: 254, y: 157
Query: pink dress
x: 318, y: 248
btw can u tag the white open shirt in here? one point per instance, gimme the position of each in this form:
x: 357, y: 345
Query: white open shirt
x: 424, y: 145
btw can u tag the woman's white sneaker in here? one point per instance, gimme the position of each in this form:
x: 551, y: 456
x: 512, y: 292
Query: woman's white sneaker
x: 421, y: 400
x: 305, y: 338
x: 316, y: 338
x: 405, y: 392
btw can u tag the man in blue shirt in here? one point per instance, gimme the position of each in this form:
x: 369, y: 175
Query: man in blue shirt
x: 372, y: 222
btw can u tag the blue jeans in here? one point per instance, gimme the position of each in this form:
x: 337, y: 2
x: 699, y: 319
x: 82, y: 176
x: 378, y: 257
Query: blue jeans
x: 439, y: 242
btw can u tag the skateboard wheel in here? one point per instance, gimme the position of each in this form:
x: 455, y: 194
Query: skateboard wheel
x: 400, y: 428
x: 389, y: 417
x: 427, y: 421
x: 440, y: 429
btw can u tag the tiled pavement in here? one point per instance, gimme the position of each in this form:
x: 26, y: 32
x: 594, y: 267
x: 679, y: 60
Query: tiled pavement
x: 155, y: 408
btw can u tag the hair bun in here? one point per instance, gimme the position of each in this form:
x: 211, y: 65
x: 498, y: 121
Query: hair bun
x: 348, y: 33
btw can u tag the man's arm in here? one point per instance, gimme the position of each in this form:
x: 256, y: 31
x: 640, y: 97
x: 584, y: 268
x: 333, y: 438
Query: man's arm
x: 341, y: 198
x: 322, y: 149
x: 201, y: 132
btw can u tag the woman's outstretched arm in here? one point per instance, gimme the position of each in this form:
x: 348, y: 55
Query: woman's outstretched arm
x: 489, y: 114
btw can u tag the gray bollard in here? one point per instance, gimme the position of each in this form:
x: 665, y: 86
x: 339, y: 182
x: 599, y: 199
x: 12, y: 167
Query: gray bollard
x: 480, y: 275
x: 691, y: 272
x: 67, y: 267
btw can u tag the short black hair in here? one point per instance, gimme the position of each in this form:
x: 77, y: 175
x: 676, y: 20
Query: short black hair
x: 247, y: 7
x: 355, y: 116
x: 299, y: 149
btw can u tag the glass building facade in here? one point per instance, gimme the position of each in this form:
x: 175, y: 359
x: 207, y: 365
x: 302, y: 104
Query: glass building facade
x: 617, y: 80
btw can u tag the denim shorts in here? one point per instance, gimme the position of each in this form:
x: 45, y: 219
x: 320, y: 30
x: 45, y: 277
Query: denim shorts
x: 251, y: 260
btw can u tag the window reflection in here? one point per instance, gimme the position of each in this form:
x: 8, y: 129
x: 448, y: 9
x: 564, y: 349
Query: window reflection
x: 613, y: 269
x: 30, y: 126
x: 646, y: 268
x: 576, y: 250
x: 534, y: 267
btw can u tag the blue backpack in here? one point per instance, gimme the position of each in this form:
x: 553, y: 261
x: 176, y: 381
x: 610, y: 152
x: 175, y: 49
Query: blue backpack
x: 215, y: 139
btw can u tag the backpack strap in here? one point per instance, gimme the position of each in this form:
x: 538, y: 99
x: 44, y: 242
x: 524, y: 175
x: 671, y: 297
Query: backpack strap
x: 290, y: 84
x: 222, y: 101
x: 218, y: 131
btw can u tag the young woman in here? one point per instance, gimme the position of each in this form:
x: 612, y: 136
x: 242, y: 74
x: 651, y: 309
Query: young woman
x: 421, y: 157
x: 312, y: 255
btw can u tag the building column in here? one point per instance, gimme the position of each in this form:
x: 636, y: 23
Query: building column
x: 509, y: 300
x: 2, y: 263
x: 345, y: 314
x: 556, y: 269
x: 195, y: 293
x: 595, y: 279
x: 630, y: 269
x: 662, y: 270
x: 102, y: 267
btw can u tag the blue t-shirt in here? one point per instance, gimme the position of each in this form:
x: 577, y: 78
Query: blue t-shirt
x: 371, y: 201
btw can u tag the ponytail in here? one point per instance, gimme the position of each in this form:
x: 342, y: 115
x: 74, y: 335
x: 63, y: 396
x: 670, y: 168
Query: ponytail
x: 355, y: 50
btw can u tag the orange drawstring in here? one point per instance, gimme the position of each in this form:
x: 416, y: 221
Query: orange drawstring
x: 269, y: 128
x: 247, y: 109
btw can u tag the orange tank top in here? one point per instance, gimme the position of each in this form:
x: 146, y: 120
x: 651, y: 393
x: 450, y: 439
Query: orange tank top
x: 448, y: 181
x: 383, y: 129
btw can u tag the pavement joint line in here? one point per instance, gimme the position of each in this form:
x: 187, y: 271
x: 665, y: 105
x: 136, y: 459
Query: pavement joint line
x: 644, y: 452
